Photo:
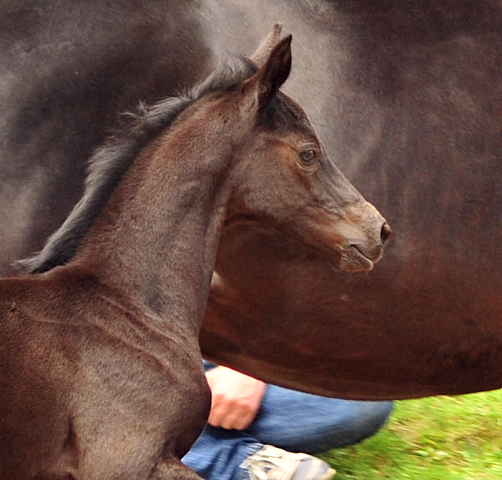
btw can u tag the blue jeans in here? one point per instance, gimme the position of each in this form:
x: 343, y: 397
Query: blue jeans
x: 294, y: 421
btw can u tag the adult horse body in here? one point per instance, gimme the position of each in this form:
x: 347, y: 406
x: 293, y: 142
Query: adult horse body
x: 101, y: 370
x: 407, y: 98
x: 409, y: 103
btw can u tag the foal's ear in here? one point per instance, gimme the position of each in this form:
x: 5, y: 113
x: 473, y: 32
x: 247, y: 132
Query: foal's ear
x: 269, y: 78
x: 260, y: 56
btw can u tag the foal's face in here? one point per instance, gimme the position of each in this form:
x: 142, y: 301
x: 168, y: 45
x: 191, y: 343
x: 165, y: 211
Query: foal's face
x: 287, y: 182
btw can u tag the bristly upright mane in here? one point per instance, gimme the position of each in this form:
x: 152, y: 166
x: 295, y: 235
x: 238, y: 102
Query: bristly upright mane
x: 109, y: 163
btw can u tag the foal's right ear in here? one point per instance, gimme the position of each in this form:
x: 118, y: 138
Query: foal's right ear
x: 269, y: 78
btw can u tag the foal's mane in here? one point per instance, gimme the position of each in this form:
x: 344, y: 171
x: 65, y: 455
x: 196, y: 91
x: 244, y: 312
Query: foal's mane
x: 109, y: 163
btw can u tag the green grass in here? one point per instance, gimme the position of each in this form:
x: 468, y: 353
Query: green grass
x: 439, y: 438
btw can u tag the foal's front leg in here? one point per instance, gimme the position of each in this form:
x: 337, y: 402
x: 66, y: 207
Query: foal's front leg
x: 172, y: 469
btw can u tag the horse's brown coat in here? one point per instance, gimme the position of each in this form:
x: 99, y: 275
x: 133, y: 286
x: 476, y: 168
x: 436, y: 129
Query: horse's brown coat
x: 405, y: 96
x: 409, y: 101
x: 101, y: 374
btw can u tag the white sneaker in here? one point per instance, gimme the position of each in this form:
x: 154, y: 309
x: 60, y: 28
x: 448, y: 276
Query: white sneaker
x: 272, y: 463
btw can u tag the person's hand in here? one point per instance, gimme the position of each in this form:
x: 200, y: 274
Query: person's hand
x: 236, y: 398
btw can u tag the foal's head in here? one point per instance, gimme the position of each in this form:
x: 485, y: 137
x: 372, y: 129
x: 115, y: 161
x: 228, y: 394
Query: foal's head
x: 279, y: 174
x: 284, y: 179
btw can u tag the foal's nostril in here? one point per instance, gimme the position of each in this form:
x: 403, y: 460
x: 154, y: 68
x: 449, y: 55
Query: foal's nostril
x: 385, y: 233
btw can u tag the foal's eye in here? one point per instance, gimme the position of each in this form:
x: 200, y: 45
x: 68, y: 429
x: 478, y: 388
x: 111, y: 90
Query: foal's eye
x: 308, y: 156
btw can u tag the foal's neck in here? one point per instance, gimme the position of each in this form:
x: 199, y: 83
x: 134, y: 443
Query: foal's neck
x: 157, y: 238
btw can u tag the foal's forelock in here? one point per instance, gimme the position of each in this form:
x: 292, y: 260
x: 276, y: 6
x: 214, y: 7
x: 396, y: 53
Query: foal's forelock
x: 109, y: 163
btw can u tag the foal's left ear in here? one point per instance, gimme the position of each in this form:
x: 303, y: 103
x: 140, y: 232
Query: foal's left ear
x: 269, y: 78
